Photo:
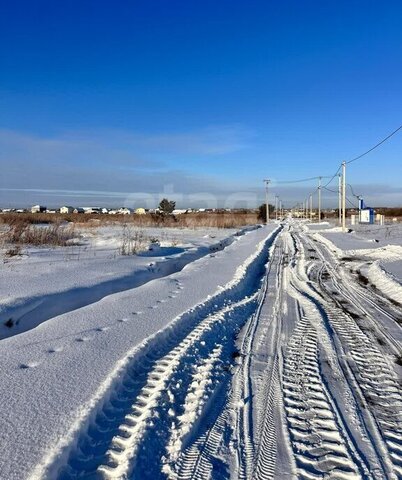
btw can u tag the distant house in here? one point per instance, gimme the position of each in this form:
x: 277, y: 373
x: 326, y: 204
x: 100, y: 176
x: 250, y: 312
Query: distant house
x: 105, y: 210
x: 140, y: 211
x: 66, y: 209
x: 78, y: 210
x: 38, y: 209
x: 178, y: 211
x: 51, y: 210
x: 92, y: 210
x: 113, y: 212
x: 124, y: 211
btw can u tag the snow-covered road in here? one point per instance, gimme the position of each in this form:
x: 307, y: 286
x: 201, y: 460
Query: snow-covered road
x: 275, y: 358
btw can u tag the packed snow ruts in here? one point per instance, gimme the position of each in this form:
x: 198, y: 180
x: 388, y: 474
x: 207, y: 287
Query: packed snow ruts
x: 290, y: 370
x: 111, y: 440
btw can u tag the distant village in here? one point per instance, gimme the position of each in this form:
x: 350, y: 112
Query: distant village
x: 109, y: 211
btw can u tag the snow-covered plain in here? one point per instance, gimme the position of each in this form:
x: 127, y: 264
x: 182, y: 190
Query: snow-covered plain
x: 45, y: 282
x: 273, y: 353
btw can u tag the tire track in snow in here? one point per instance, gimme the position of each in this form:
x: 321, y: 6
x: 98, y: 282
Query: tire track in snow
x: 320, y: 443
x: 195, y: 462
x: 135, y: 418
x: 303, y: 370
x: 378, y: 384
x: 193, y: 405
x: 373, y: 374
x: 265, y: 461
x: 126, y: 444
x: 237, y: 414
x: 370, y: 303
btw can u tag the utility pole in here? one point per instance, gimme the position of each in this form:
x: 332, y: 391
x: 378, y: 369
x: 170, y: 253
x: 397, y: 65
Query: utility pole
x: 319, y: 199
x: 340, y: 199
x: 311, y: 208
x: 280, y: 208
x: 276, y: 207
x: 359, y: 198
x: 343, y: 196
x: 267, y: 182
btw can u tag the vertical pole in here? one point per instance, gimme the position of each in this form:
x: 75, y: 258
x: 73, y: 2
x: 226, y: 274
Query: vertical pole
x: 343, y: 196
x: 340, y: 199
x: 319, y: 199
x: 276, y: 207
x: 359, y: 208
x: 266, y: 200
x: 280, y: 208
x: 311, y: 208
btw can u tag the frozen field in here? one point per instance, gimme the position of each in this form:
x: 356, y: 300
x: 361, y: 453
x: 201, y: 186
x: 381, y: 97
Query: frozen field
x: 45, y: 282
x: 272, y: 353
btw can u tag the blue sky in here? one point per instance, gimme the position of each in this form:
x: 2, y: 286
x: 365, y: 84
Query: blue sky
x: 123, y: 102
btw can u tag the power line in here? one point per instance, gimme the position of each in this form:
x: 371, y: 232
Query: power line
x: 329, y: 190
x: 301, y: 180
x: 353, y: 193
x: 349, y: 161
x: 375, y: 146
x: 333, y: 176
x: 351, y: 203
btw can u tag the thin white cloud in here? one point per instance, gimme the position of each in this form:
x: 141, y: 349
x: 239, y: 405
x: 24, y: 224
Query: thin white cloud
x: 109, y: 164
x: 212, y: 140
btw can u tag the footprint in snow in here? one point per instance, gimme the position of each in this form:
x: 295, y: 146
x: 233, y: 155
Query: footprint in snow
x: 123, y: 320
x: 82, y: 339
x: 55, y: 350
x: 172, y: 296
x: 101, y: 329
x: 136, y: 313
x: 25, y: 366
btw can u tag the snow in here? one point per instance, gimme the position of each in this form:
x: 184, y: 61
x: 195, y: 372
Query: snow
x: 275, y: 353
x: 56, y: 375
x: 47, y: 282
x: 381, y: 243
